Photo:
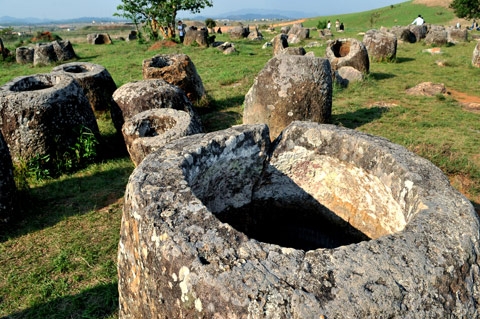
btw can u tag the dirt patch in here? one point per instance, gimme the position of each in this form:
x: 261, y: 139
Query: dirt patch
x: 162, y: 44
x: 469, y: 102
x: 434, y: 3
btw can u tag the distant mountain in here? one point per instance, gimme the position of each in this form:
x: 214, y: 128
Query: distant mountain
x: 256, y: 14
x: 9, y: 21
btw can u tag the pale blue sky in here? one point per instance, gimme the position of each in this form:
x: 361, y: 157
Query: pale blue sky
x: 66, y: 9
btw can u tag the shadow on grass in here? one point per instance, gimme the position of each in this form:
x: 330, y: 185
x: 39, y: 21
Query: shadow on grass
x: 44, y: 206
x: 215, y: 117
x: 381, y: 76
x: 359, y: 117
x: 98, y: 302
x: 404, y: 59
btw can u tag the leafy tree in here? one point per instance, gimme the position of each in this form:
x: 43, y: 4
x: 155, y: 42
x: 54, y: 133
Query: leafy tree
x: 469, y: 9
x: 157, y: 17
x: 210, y: 23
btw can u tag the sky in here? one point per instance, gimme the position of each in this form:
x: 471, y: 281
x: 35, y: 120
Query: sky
x: 67, y: 9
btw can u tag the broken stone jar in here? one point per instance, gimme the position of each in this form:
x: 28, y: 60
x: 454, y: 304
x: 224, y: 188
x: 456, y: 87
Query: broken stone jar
x: 323, y: 222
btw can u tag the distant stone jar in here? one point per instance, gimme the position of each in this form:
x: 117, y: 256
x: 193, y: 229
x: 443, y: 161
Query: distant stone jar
x: 476, y: 56
x: 348, y: 52
x: 290, y: 88
x: 381, y: 46
x: 176, y: 69
x: 325, y: 222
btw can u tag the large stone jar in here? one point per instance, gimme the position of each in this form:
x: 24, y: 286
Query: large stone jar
x: 325, y: 222
x: 42, y: 114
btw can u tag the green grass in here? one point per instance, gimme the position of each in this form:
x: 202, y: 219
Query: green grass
x: 59, y: 259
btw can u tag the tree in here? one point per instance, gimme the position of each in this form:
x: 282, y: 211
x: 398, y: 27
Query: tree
x: 157, y: 17
x: 211, y: 24
x: 468, y: 9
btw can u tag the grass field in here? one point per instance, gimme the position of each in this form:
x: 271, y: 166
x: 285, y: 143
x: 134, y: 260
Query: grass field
x: 59, y: 259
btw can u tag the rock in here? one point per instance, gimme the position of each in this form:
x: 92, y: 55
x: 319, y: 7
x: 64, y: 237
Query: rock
x: 24, y: 55
x: 48, y: 53
x: 290, y: 88
x: 280, y: 42
x: 348, y: 52
x: 255, y: 35
x: 44, y: 54
x: 457, y: 35
x: 148, y: 131
x: 293, y: 51
x: 132, y: 36
x: 99, y: 38
x: 196, y: 36
x: 436, y: 36
x: 238, y: 32
x: 404, y: 34
x: 427, y: 89
x: 285, y: 29
x: 95, y: 80
x: 176, y: 69
x: 347, y: 74
x: 135, y: 97
x: 325, y: 33
x: 476, y: 56
x: 381, y: 46
x: 63, y: 50
x: 4, y: 52
x: 327, y: 222
x: 41, y: 115
x: 420, y: 31
x: 298, y: 33
x: 8, y: 189
x: 227, y: 48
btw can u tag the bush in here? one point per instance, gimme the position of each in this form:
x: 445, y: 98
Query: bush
x: 322, y: 24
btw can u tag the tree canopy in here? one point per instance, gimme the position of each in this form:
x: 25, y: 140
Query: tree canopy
x: 157, y: 17
x: 469, y: 9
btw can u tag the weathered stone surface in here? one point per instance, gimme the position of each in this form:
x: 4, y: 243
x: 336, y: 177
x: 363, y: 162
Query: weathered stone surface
x: 44, y: 54
x: 290, y: 88
x: 293, y: 51
x: 196, y: 36
x: 7, y: 184
x: 255, y: 35
x: 4, y: 52
x: 347, y: 74
x: 348, y: 52
x: 96, y: 81
x: 436, y: 36
x: 24, y: 55
x: 225, y: 225
x: 47, y: 53
x: 427, y: 89
x: 226, y: 47
x: 403, y: 33
x: 149, y: 130
x: 280, y: 42
x: 99, y: 38
x: 381, y: 46
x: 298, y: 33
x: 238, y: 32
x: 41, y: 114
x: 457, y: 35
x: 176, y: 69
x: 63, y: 50
x: 135, y: 97
x: 420, y: 31
x: 476, y: 56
